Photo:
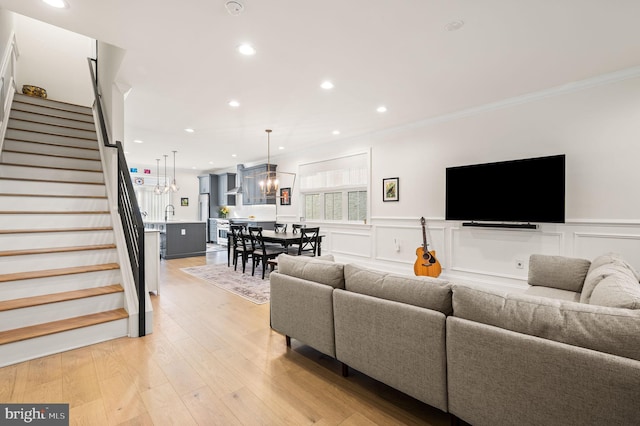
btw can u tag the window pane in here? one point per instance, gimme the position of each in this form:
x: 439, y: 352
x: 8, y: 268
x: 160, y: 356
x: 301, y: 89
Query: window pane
x: 312, y: 206
x: 333, y: 206
x: 357, y: 205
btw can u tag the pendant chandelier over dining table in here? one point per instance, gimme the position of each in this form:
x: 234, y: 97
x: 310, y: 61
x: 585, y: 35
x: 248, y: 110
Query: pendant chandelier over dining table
x: 269, y: 183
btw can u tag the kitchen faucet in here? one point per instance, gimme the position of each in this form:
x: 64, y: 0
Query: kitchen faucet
x: 166, y: 211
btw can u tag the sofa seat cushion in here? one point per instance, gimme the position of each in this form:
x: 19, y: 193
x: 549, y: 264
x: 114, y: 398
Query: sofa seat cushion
x: 313, y: 269
x: 617, y: 291
x: 425, y: 292
x: 565, y: 273
x: 553, y: 293
x: 610, y: 330
x: 603, y: 267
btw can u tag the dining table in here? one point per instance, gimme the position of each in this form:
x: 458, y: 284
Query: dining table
x: 286, y: 238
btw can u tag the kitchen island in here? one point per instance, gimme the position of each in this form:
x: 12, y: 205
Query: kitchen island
x: 181, y: 239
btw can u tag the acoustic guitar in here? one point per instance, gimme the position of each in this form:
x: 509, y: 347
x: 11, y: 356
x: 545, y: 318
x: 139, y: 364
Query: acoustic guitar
x: 426, y: 263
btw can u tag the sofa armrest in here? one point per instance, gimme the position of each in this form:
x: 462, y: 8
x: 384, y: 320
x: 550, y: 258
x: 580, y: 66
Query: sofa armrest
x: 303, y: 310
x: 565, y: 273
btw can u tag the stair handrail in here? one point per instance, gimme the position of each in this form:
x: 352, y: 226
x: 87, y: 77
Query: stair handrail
x: 128, y: 209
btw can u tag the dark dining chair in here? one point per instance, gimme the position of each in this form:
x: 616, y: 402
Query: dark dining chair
x: 297, y: 226
x: 240, y: 247
x: 308, y: 245
x: 280, y: 227
x: 261, y: 252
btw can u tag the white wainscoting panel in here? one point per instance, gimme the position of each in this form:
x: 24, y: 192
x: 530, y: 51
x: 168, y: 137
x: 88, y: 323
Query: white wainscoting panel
x: 398, y: 243
x: 494, y: 252
x: 348, y: 243
x: 588, y: 245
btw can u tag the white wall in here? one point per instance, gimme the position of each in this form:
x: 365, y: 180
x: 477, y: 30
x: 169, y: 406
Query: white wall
x: 595, y: 126
x: 54, y: 59
x: 6, y: 29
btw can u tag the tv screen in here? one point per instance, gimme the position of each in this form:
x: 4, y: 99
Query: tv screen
x: 528, y: 190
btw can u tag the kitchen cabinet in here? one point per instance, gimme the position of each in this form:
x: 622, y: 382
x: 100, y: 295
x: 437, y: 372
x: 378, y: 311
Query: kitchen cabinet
x: 226, y: 182
x: 251, y: 177
x: 209, y: 185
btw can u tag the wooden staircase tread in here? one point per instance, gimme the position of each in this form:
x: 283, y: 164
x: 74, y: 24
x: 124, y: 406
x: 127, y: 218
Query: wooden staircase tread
x: 19, y: 334
x: 56, y: 250
x: 50, y: 167
x: 45, y: 299
x: 51, y: 134
x: 73, y: 182
x: 57, y: 116
x: 45, y: 273
x: 19, y: 97
x: 37, y: 231
x: 13, y: 151
x: 10, y: 194
x: 23, y: 120
x: 51, y: 144
x: 53, y: 212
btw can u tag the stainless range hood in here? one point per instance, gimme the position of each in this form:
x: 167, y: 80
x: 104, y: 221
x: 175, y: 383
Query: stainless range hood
x: 238, y: 188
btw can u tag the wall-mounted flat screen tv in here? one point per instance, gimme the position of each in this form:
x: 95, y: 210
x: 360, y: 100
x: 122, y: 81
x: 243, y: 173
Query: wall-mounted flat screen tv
x: 528, y: 190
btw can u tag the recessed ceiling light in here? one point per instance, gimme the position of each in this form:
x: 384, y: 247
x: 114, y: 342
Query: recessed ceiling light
x: 454, y: 25
x: 327, y: 85
x: 234, y: 104
x: 193, y: 167
x: 281, y: 147
x: 336, y: 132
x: 138, y: 141
x: 210, y: 162
x: 189, y: 130
x: 381, y: 108
x: 246, y: 49
x: 234, y: 155
x: 60, y: 4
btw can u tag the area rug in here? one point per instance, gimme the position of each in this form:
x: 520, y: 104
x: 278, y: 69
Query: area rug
x: 244, y: 285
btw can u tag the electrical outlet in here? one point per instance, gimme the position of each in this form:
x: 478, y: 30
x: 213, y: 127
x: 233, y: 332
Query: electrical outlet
x: 183, y: 232
x: 519, y: 263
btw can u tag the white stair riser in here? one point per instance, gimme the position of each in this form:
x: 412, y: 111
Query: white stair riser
x: 40, y: 286
x: 49, y: 161
x: 14, y: 353
x: 54, y: 239
x: 30, y: 262
x: 18, y: 105
x: 18, y: 318
x: 48, y: 128
x: 26, y: 135
x: 55, y: 188
x: 49, y: 174
x: 38, y: 148
x: 57, y: 221
x: 39, y: 204
x: 48, y: 119
x: 50, y: 103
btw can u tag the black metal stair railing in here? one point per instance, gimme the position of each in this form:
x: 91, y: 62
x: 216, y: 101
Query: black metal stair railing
x: 128, y: 209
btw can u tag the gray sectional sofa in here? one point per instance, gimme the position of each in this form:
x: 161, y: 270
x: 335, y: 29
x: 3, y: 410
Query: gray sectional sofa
x: 566, y: 351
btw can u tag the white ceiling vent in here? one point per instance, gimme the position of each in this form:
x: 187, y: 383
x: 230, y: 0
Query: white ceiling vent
x: 234, y: 8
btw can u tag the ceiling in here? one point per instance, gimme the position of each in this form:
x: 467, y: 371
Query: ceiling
x: 182, y: 64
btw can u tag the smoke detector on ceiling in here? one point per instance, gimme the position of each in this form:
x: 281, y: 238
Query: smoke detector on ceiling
x: 234, y: 7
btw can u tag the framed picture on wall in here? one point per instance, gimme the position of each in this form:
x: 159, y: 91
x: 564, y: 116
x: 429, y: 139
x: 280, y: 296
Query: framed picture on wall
x: 390, y: 189
x: 184, y: 202
x: 285, y: 196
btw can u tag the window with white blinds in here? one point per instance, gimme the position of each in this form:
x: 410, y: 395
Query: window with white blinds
x: 336, y: 189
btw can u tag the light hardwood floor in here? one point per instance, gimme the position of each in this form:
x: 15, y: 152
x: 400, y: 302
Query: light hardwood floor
x: 211, y: 360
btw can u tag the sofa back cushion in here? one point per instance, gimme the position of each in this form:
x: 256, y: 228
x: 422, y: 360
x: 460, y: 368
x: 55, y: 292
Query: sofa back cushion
x: 602, y: 267
x: 565, y: 273
x: 609, y: 330
x: 318, y: 269
x: 425, y: 292
x: 617, y: 291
